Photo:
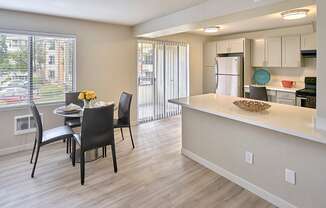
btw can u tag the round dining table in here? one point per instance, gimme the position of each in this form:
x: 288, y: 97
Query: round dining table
x: 90, y: 155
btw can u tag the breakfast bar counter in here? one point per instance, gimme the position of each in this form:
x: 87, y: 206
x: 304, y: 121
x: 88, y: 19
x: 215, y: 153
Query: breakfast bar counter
x: 255, y: 150
x: 292, y: 120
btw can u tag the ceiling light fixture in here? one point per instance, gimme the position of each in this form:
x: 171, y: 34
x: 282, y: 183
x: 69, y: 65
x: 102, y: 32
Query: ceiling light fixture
x: 295, y: 14
x: 212, y: 29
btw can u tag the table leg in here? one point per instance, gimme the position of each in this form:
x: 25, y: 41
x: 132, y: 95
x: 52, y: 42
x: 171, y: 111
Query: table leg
x: 90, y: 155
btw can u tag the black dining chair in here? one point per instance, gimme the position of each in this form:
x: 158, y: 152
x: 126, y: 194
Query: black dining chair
x: 258, y: 93
x: 72, y: 97
x: 123, y: 120
x: 46, y: 137
x: 96, y: 132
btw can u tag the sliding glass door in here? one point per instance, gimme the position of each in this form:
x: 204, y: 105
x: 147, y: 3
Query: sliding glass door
x: 162, y: 75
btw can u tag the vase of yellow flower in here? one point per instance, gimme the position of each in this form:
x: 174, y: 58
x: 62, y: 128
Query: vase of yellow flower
x: 87, y: 96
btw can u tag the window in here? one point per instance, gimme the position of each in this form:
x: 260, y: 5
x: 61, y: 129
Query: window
x: 31, y: 70
x: 51, y: 45
x: 51, y: 60
x: 51, y: 75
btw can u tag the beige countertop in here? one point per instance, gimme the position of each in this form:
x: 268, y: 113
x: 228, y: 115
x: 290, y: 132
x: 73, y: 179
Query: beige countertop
x: 292, y: 120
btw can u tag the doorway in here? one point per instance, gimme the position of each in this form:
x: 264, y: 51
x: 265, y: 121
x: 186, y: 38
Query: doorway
x: 163, y: 74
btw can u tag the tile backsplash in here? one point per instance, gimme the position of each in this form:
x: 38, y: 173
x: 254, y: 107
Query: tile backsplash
x: 295, y: 74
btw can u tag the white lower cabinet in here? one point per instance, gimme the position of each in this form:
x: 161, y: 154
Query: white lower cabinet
x: 277, y: 96
x: 285, y: 98
x: 285, y: 101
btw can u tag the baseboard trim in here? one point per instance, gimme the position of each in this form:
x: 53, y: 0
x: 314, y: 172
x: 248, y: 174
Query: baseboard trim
x: 14, y: 149
x: 277, y: 201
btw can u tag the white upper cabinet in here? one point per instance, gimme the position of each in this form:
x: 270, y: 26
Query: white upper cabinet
x: 291, y: 51
x: 273, y: 55
x: 210, y: 54
x: 222, y: 46
x: 230, y: 46
x: 267, y: 52
x: 308, y: 42
x: 236, y: 45
x: 258, y: 52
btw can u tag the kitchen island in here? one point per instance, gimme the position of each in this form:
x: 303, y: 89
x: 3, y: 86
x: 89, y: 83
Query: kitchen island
x: 217, y: 134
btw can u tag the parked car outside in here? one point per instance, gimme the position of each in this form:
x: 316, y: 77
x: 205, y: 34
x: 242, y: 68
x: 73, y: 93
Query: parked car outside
x: 13, y: 95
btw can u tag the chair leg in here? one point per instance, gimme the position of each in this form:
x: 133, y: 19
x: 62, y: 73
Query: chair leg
x: 132, y: 140
x: 36, y: 158
x: 73, y: 156
x: 82, y: 167
x: 67, y: 145
x: 31, y: 161
x: 104, y: 151
x: 115, y: 166
x: 69, y: 148
x: 122, y: 134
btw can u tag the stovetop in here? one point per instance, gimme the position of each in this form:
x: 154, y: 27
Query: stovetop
x: 306, y: 92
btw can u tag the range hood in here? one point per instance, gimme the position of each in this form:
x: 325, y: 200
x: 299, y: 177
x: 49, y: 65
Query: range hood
x: 309, y: 53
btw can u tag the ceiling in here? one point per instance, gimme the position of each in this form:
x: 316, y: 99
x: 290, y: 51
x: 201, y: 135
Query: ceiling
x: 126, y: 12
x: 264, y: 22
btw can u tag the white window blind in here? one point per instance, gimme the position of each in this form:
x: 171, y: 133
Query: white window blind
x: 38, y: 68
x: 52, y: 68
x: 163, y: 74
x: 14, y: 69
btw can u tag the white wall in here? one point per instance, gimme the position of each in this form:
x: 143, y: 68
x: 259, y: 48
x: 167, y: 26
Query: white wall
x: 196, y: 43
x: 321, y: 65
x: 106, y: 62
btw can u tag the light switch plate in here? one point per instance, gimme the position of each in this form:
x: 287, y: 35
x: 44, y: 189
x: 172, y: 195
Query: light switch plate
x: 290, y: 176
x: 249, y: 157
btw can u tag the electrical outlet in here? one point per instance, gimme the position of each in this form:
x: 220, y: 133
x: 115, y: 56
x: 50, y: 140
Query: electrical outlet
x: 249, y: 157
x: 290, y: 176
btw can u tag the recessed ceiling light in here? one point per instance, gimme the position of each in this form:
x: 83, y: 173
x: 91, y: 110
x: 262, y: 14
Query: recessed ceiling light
x: 295, y: 14
x: 212, y: 29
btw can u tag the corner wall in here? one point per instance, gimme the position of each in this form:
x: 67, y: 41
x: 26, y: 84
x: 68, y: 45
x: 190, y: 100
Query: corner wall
x: 321, y: 65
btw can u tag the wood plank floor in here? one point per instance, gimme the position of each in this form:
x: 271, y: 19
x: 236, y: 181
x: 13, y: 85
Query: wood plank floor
x: 155, y: 174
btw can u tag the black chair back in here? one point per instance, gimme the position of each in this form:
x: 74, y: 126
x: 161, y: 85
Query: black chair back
x: 124, y: 108
x: 258, y: 93
x: 72, y: 97
x: 97, y: 127
x: 38, y: 122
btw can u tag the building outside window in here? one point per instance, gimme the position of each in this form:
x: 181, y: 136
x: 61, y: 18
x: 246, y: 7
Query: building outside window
x: 29, y: 70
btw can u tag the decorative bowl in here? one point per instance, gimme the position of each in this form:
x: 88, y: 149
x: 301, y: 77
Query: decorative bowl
x: 252, y: 105
x: 288, y: 83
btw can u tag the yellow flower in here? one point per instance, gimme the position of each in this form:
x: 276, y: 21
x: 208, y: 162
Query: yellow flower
x: 87, y: 95
x: 81, y: 96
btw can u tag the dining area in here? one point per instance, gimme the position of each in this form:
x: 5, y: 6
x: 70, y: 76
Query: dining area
x: 88, y: 129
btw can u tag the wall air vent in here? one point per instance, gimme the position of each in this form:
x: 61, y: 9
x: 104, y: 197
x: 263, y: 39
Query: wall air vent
x: 25, y: 124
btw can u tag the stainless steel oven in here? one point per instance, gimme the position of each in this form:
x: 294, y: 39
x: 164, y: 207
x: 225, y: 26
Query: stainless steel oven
x: 306, y: 101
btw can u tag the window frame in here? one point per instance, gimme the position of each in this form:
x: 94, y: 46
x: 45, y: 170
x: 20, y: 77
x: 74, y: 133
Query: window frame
x: 30, y: 35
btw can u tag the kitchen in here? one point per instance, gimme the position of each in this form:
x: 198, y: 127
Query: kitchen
x: 282, y: 59
x: 275, y: 153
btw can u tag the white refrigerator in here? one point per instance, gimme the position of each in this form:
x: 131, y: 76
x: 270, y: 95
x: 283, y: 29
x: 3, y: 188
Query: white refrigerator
x: 229, y: 76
